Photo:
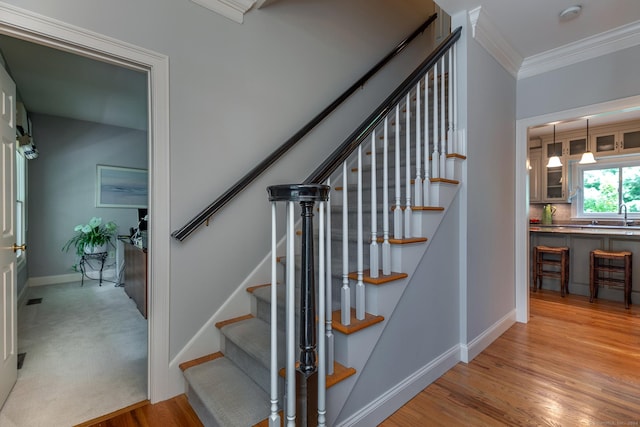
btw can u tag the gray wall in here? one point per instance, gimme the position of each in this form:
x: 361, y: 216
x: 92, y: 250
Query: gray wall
x: 236, y: 93
x: 425, y: 323
x: 606, y: 78
x: 491, y: 99
x: 61, y: 185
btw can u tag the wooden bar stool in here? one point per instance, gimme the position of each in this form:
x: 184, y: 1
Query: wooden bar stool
x: 559, y: 258
x: 610, y: 268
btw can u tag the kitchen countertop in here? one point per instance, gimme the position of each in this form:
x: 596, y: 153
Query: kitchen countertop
x: 612, y: 230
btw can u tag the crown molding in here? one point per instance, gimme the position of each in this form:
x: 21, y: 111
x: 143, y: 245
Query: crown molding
x: 232, y: 9
x: 488, y: 36
x: 591, y: 47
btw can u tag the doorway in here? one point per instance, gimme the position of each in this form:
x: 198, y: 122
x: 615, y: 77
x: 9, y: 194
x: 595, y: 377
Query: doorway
x: 522, y: 190
x: 35, y: 28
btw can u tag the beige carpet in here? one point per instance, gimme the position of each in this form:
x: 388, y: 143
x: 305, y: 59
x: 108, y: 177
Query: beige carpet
x: 86, y: 355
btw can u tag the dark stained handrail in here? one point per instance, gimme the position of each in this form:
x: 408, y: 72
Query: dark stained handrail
x: 324, y: 171
x: 221, y: 201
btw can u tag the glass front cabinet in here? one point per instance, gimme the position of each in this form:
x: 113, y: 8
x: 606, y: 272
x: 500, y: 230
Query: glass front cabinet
x: 616, y: 140
x: 609, y: 140
x: 554, y: 184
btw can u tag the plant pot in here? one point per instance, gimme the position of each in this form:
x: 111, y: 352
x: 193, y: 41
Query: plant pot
x: 91, y: 249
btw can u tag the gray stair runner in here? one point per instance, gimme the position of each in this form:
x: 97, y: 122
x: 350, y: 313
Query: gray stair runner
x: 233, y: 390
x: 223, y: 395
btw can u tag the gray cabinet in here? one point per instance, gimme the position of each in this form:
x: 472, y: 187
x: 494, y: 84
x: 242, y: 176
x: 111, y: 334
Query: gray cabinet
x: 580, y: 245
x: 535, y: 180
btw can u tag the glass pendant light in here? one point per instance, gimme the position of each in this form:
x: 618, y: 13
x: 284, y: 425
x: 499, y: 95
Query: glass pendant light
x: 587, y: 156
x: 554, y: 161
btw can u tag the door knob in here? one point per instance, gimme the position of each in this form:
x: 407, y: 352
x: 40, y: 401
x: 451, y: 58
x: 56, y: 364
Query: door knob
x: 17, y: 247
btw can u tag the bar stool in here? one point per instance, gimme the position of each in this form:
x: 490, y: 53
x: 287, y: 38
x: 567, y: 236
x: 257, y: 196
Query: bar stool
x: 618, y: 267
x: 559, y: 258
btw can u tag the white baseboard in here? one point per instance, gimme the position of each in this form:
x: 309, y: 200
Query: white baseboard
x: 469, y: 351
x: 23, y: 294
x: 53, y: 280
x: 389, y: 402
x: 107, y: 274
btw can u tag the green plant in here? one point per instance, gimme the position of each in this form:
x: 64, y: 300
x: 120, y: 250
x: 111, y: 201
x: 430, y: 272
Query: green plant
x: 92, y: 234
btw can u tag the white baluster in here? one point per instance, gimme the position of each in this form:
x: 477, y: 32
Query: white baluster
x: 443, y: 129
x: 291, y: 318
x: 373, y: 246
x: 360, y: 245
x: 322, y: 357
x: 427, y: 149
x: 417, y: 185
x: 435, y: 157
x: 454, y: 79
x: 407, y: 131
x: 329, y: 284
x: 397, y: 212
x: 274, y: 417
x: 386, y: 248
x: 345, y: 294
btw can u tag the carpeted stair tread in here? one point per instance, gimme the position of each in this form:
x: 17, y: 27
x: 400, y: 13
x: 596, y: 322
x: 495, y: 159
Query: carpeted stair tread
x: 227, y: 395
x: 264, y: 294
x: 253, y: 336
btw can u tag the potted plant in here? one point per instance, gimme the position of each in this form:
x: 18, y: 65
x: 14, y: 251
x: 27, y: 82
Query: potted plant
x: 92, y: 237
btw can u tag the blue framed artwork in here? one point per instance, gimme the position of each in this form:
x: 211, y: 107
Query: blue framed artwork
x: 118, y: 187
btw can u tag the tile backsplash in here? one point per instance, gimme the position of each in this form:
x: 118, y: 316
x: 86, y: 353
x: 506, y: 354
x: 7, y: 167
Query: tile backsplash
x: 563, y: 211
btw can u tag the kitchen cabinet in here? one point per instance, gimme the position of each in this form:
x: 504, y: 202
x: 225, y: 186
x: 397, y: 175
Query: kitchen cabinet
x: 535, y: 180
x: 580, y: 245
x: 554, y: 182
x: 576, y: 146
x: 616, y: 140
x: 609, y: 140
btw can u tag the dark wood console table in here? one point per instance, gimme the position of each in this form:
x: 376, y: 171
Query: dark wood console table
x: 135, y: 275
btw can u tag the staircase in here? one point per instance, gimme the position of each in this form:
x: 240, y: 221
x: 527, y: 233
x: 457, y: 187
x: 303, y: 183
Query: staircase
x: 372, y: 243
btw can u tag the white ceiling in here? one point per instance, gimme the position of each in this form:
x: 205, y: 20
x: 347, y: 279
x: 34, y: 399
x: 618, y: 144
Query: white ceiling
x: 59, y: 83
x: 533, y: 26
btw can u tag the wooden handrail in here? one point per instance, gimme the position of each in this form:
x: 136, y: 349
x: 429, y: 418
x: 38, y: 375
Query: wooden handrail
x: 322, y: 173
x: 205, y: 215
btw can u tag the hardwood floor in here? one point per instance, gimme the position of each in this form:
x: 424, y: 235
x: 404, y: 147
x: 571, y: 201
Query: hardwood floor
x: 174, y: 412
x: 574, y: 363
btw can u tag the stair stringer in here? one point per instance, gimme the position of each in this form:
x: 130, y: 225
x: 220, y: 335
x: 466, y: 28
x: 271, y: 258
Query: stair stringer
x: 355, y: 349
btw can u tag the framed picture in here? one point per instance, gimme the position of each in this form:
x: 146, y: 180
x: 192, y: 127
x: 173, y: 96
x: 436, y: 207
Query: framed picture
x: 118, y: 187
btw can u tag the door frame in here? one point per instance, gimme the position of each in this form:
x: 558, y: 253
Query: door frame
x: 522, y: 190
x: 29, y: 26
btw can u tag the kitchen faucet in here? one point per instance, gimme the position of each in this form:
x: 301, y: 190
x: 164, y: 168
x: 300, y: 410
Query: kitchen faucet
x: 623, y: 205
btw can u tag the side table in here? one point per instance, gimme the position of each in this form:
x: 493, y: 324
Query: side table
x: 99, y: 257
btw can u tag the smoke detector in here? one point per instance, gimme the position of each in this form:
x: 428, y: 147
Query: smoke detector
x: 570, y: 13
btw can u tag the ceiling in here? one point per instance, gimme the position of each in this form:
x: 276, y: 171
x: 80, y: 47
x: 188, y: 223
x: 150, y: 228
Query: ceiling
x: 58, y: 83
x: 63, y: 84
x: 534, y: 27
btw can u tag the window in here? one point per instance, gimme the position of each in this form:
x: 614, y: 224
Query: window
x: 605, y: 186
x: 21, y: 193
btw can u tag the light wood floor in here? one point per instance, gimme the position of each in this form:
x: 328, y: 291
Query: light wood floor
x: 573, y: 364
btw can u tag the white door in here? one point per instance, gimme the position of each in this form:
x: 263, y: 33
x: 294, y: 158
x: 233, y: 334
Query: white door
x: 8, y: 299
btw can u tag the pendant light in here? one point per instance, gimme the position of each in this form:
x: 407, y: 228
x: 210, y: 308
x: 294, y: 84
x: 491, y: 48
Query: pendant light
x: 554, y: 161
x: 587, y: 156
